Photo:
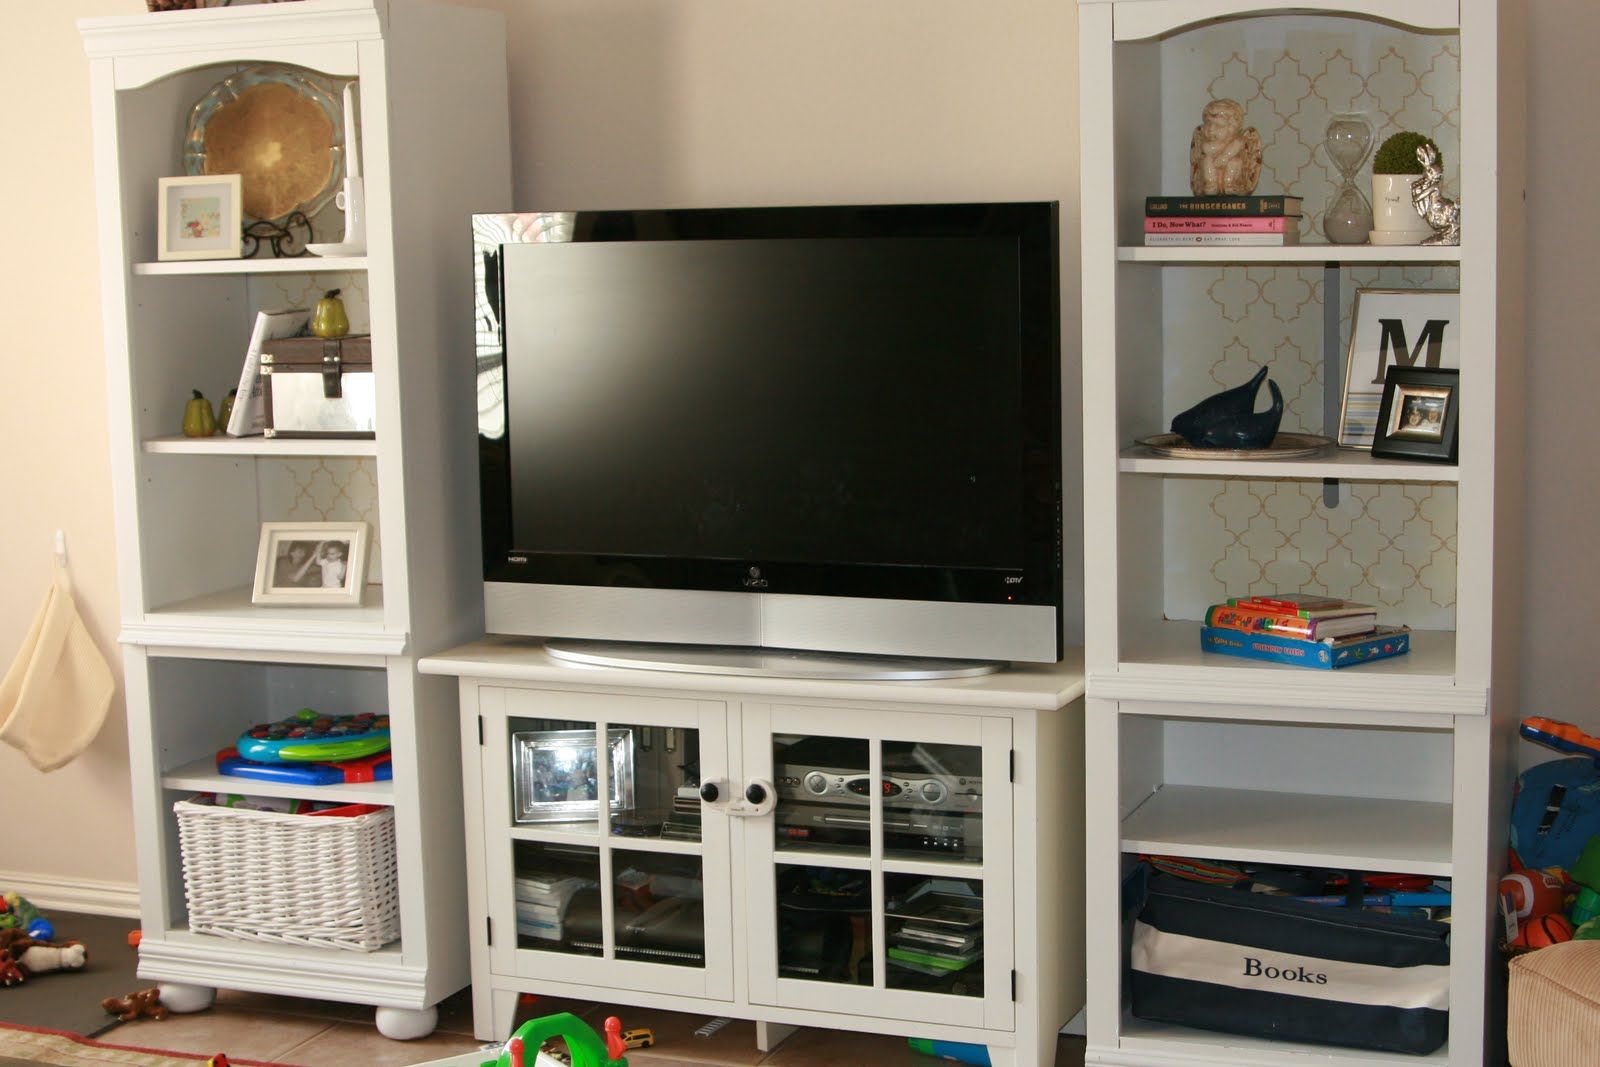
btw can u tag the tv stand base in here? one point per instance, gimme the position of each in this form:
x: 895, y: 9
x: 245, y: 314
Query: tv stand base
x: 765, y: 662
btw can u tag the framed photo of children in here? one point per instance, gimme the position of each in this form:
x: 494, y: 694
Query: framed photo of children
x: 1419, y: 414
x: 1393, y: 328
x: 198, y: 218
x: 300, y: 564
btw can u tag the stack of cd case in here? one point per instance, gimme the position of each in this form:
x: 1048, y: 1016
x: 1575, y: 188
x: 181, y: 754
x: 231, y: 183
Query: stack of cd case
x: 940, y: 932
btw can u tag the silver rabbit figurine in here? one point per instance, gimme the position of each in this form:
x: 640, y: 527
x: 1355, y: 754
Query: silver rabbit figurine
x: 1436, y: 209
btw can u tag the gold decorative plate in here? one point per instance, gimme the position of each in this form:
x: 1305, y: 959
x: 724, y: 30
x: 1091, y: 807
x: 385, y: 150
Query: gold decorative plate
x: 1283, y: 446
x: 278, y: 128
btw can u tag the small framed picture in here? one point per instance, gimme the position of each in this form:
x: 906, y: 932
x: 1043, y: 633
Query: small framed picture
x: 311, y: 563
x: 1393, y: 328
x: 1419, y: 415
x: 199, y: 218
x: 556, y: 774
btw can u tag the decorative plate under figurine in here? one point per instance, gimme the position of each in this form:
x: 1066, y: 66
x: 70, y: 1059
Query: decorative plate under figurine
x: 1283, y: 446
x: 275, y: 126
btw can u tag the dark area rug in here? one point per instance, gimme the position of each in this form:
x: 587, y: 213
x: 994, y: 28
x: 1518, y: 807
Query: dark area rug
x: 69, y: 1001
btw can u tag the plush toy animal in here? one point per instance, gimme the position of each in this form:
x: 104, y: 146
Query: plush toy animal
x: 22, y: 956
x: 142, y: 1002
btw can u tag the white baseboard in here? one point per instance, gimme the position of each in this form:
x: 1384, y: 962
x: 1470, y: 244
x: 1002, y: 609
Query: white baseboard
x: 53, y: 893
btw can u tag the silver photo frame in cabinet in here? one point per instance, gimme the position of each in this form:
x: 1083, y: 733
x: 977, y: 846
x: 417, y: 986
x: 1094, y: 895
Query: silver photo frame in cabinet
x: 555, y: 774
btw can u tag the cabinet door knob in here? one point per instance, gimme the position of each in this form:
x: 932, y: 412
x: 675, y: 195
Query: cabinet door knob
x: 709, y: 792
x: 756, y: 793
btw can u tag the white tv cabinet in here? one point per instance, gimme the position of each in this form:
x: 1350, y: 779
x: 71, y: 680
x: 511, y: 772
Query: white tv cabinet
x: 202, y: 663
x: 1404, y: 765
x: 775, y: 909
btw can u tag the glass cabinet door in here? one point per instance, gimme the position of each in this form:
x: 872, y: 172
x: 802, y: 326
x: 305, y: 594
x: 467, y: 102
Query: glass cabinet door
x: 604, y: 865
x: 881, y: 884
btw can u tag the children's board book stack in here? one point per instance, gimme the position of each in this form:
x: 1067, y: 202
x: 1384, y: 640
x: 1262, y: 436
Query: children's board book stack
x: 1238, y: 221
x: 1302, y: 629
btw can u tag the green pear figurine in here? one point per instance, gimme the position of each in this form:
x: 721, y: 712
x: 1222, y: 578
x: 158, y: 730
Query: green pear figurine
x: 328, y: 318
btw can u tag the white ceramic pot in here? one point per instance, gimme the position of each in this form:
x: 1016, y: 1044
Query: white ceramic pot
x: 1394, y: 218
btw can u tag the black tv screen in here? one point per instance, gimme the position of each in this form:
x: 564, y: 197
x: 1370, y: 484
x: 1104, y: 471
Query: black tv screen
x: 834, y: 401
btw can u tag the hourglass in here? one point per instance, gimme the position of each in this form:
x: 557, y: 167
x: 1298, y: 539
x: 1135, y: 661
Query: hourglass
x: 1348, y: 217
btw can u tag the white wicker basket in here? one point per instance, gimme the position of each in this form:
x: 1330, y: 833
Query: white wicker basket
x: 322, y: 881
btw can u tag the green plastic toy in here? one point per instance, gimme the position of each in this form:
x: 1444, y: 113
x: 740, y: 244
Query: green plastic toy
x: 587, y: 1049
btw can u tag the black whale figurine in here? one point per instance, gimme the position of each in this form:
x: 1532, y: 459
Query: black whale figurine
x: 1229, y: 420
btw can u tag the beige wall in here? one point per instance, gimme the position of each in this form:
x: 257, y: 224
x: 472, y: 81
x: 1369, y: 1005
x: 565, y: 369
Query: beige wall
x: 70, y: 826
x: 694, y: 102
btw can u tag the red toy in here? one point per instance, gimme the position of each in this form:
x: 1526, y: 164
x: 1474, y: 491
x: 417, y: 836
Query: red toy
x: 1533, y: 893
x: 1544, y: 930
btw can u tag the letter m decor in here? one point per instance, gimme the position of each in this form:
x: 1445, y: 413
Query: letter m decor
x: 1394, y: 340
x: 1399, y: 327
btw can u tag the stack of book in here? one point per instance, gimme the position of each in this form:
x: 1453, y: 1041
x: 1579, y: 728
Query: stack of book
x: 1303, y: 629
x: 1240, y: 221
x: 542, y: 903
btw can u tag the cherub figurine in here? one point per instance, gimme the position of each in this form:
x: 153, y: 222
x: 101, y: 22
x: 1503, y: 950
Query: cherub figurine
x: 1436, y: 209
x: 1224, y: 154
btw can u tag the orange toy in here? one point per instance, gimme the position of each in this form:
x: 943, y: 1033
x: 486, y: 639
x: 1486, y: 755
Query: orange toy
x: 1533, y: 893
x: 1544, y: 930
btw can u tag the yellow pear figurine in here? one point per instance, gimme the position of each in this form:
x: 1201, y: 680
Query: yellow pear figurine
x: 328, y: 318
x: 198, y: 421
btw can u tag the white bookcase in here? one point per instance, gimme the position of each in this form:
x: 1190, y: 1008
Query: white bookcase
x: 1403, y: 765
x: 202, y: 663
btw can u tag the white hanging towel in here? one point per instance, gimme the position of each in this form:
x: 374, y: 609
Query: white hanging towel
x: 54, y: 698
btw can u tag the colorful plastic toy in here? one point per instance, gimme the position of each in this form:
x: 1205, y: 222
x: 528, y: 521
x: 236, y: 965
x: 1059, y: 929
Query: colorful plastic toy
x: 17, y: 913
x: 587, y: 1049
x: 308, y: 736
x: 958, y: 1051
x: 1586, y: 872
x: 1561, y: 736
x: 377, y: 768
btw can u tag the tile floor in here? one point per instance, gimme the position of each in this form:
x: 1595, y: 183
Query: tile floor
x: 313, y: 1033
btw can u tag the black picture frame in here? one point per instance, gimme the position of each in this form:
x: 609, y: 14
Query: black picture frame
x: 1420, y: 415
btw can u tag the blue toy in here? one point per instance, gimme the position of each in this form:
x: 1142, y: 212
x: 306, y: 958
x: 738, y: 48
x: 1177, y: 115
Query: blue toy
x: 958, y: 1051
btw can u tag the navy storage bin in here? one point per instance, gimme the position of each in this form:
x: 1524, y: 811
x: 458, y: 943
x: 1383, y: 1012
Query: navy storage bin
x: 1248, y: 963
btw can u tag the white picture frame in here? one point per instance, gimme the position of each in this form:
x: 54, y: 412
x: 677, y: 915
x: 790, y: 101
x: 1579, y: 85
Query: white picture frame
x: 199, y: 217
x: 311, y: 564
x: 1393, y: 327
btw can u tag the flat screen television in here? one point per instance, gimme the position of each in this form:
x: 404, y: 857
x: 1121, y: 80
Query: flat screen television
x: 822, y: 428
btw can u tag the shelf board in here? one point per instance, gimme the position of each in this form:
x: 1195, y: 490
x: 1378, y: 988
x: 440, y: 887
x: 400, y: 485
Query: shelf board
x: 935, y: 868
x: 229, y: 620
x: 1206, y: 1048
x: 1257, y: 826
x: 261, y: 446
x: 295, y: 265
x: 1163, y: 661
x: 201, y: 777
x: 1345, y: 464
x: 1305, y: 254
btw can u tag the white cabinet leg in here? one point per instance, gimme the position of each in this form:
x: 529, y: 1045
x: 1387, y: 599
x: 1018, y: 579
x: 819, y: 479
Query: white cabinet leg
x: 175, y: 996
x: 406, y: 1024
x: 1003, y: 1057
x: 503, y: 1006
x: 770, y: 1035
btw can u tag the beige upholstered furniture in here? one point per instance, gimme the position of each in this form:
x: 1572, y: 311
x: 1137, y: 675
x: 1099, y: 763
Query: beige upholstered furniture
x: 1553, y: 1015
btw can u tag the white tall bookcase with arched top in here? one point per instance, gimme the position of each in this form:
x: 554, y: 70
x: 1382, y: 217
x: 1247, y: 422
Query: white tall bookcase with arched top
x: 203, y: 662
x: 1404, y: 765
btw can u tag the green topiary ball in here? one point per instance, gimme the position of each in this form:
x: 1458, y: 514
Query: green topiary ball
x: 1398, y: 154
